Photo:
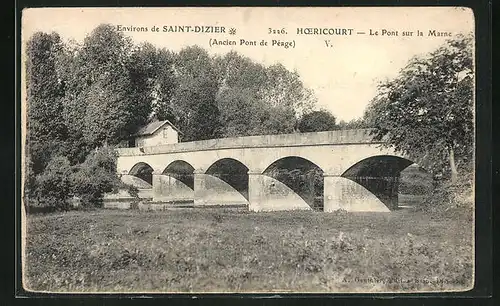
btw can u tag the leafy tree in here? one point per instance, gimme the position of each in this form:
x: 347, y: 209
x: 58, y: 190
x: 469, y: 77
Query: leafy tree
x: 165, y: 86
x: 236, y: 71
x: 143, y: 67
x: 317, y: 121
x: 244, y: 114
x: 205, y: 119
x: 195, y: 105
x: 108, y: 114
x: 284, y: 88
x: 107, y: 90
x: 256, y: 100
x: 427, y: 111
x: 240, y: 114
x: 277, y: 120
x: 45, y: 125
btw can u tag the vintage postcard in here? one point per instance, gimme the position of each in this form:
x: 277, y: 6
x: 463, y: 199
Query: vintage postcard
x: 248, y: 150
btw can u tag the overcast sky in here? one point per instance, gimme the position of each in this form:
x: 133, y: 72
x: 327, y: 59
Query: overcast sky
x: 343, y: 77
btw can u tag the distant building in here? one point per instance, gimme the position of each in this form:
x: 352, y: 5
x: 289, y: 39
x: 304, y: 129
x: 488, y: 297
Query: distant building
x: 155, y: 133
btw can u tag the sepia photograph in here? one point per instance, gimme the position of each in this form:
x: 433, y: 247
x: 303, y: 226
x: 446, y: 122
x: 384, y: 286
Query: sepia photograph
x: 248, y: 150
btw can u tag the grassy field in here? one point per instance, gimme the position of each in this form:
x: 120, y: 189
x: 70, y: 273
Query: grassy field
x: 215, y: 250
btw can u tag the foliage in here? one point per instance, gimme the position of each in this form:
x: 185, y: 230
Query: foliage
x: 236, y: 71
x: 133, y: 191
x: 284, y: 88
x: 317, y: 121
x: 240, y: 113
x: 451, y: 196
x: 165, y: 86
x: 108, y: 90
x: 44, y: 100
x: 256, y: 100
x: 427, y: 111
x: 52, y: 187
x: 95, y: 176
x: 197, y: 112
x: 414, y: 180
x: 357, y: 123
x: 44, y: 88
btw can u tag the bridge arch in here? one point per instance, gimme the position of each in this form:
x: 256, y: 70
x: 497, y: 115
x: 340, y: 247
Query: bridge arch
x: 182, y: 171
x: 378, y: 165
x: 231, y: 171
x: 302, y: 176
x: 380, y: 175
x: 142, y: 171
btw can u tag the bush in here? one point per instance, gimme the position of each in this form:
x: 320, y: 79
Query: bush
x: 132, y: 190
x: 448, y: 195
x: 52, y: 187
x: 95, y: 176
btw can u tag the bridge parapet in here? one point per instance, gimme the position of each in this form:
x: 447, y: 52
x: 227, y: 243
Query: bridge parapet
x: 340, y: 137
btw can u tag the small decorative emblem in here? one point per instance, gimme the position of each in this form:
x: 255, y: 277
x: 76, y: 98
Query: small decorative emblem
x: 232, y: 31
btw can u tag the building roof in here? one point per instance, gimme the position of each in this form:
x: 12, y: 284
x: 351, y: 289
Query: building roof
x: 154, y: 126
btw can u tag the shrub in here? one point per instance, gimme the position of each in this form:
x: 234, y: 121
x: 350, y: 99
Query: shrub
x: 52, y: 187
x: 96, y: 176
x: 132, y: 190
x: 448, y: 195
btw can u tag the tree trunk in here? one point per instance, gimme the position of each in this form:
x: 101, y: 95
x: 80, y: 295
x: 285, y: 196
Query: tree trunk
x: 453, y: 167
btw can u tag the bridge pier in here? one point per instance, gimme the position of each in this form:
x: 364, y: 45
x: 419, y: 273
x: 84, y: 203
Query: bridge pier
x: 210, y: 190
x: 385, y: 188
x: 343, y: 193
x: 199, y: 187
x: 268, y: 194
x: 167, y: 188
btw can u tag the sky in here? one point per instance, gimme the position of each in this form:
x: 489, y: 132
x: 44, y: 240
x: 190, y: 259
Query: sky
x: 344, y: 75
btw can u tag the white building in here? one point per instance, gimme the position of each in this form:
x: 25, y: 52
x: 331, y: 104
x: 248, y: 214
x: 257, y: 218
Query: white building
x: 156, y: 133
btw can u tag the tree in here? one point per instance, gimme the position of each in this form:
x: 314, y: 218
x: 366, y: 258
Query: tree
x: 239, y: 113
x: 110, y: 86
x: 284, y: 88
x: 45, y: 124
x: 195, y: 106
x: 236, y: 71
x: 256, y: 100
x: 165, y: 86
x: 317, y: 121
x: 205, y: 121
x: 143, y: 68
x: 427, y: 111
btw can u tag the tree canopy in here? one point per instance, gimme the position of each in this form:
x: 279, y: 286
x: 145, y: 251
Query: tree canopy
x: 317, y: 121
x: 427, y: 111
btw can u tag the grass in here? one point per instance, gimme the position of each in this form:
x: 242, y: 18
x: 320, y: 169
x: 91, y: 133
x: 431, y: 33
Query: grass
x: 217, y: 250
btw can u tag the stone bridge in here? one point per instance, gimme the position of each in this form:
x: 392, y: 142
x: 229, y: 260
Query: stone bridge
x: 328, y: 171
